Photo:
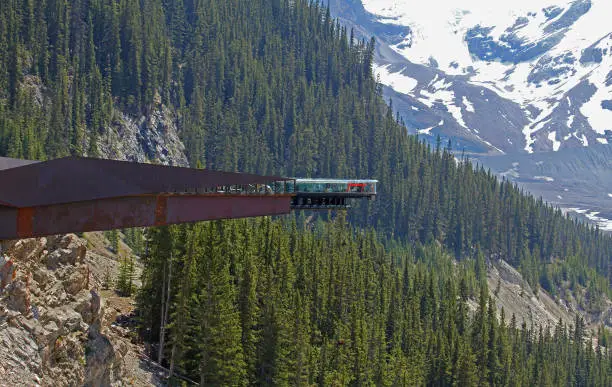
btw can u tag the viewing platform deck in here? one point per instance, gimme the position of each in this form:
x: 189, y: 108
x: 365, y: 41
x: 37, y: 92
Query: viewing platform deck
x: 77, y: 194
x: 329, y: 194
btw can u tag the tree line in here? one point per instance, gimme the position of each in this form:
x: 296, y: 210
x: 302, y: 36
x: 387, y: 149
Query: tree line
x: 274, y: 302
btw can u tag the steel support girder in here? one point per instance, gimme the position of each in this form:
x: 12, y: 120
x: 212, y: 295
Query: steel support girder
x: 136, y: 211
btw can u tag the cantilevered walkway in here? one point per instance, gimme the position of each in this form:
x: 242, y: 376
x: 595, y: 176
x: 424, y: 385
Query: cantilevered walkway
x: 76, y: 194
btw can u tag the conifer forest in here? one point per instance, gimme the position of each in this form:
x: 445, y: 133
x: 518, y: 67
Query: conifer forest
x: 393, y: 292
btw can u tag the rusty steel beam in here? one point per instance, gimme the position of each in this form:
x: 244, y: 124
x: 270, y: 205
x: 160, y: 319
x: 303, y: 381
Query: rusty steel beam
x: 137, y: 211
x: 76, y: 179
x: 77, y: 194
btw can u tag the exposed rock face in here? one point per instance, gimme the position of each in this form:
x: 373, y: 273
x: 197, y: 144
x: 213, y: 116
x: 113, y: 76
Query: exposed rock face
x: 514, y: 294
x: 50, y: 318
x: 511, y: 292
x: 152, y: 137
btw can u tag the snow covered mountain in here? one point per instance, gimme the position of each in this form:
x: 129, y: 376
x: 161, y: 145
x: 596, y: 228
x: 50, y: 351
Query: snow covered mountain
x: 499, y: 78
x: 551, y: 60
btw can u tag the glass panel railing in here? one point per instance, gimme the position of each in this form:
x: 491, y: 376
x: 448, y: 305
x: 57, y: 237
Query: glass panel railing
x: 335, y: 186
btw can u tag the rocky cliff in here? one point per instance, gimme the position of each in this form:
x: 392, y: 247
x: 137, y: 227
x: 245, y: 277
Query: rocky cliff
x: 52, y: 317
x: 511, y: 292
x: 147, y: 138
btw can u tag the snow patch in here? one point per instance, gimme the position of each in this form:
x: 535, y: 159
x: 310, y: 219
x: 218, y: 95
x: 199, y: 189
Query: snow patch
x: 469, y: 106
x: 512, y: 172
x: 599, y: 118
x: 570, y: 121
x: 447, y: 98
x: 544, y: 178
x: 441, y: 83
x: 604, y: 224
x: 455, y: 111
x: 552, y: 136
x: 493, y: 146
x: 427, y: 131
x: 396, y: 80
x: 593, y: 216
x: 602, y: 141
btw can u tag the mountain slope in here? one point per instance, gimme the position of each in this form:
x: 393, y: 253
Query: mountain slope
x: 572, y: 180
x: 551, y: 58
x: 497, y: 79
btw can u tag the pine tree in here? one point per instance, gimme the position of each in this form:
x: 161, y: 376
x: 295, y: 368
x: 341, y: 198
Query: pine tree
x: 107, y: 282
x: 113, y: 239
x: 222, y: 358
x: 125, y: 277
x: 466, y: 371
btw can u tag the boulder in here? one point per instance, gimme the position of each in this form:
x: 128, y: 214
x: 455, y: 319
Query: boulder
x: 26, y: 250
x: 55, y: 295
x: 70, y: 250
x: 7, y: 272
x: 77, y: 280
x: 99, y: 353
x: 89, y: 306
x: 18, y: 298
x: 42, y: 277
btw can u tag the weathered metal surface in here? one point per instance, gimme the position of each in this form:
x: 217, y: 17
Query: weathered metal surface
x: 8, y: 223
x: 193, y: 208
x: 141, y: 211
x: 82, y: 194
x: 25, y: 222
x: 7, y: 163
x: 161, y: 210
x: 75, y: 179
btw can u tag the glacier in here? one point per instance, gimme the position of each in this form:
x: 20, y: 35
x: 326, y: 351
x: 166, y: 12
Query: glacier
x: 537, y: 53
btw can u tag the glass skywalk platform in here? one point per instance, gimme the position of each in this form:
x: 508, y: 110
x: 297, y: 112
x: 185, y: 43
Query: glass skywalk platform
x: 326, y: 194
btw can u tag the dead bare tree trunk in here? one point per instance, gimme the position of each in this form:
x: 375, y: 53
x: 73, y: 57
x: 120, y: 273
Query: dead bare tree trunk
x: 165, y: 309
x: 161, y: 317
x: 172, y: 361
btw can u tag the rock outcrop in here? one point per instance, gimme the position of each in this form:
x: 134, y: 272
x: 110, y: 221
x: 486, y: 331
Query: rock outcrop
x: 148, y: 138
x: 152, y: 136
x: 511, y: 291
x: 51, y: 317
